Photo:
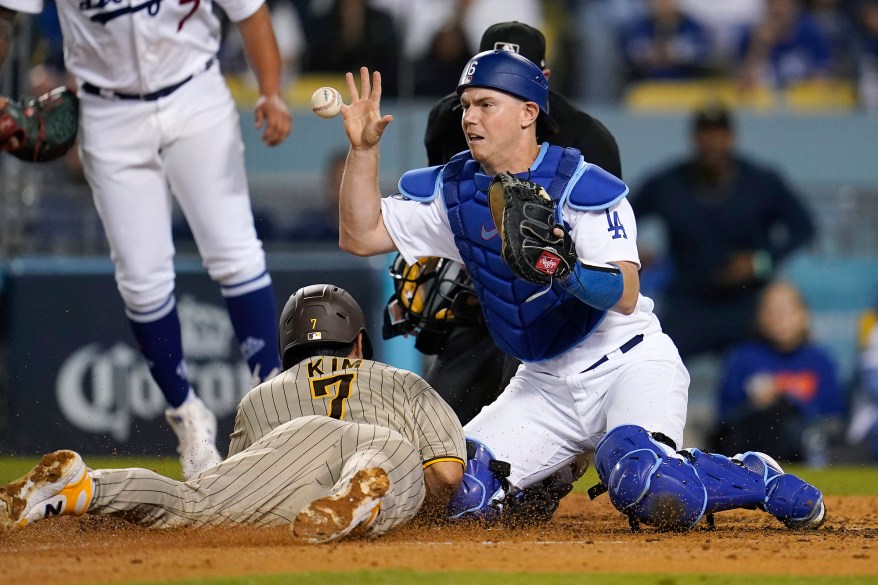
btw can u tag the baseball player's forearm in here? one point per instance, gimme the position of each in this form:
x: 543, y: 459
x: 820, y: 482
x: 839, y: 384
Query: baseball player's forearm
x: 7, y: 22
x: 260, y: 46
x: 361, y: 228
x: 442, y: 479
x: 631, y: 291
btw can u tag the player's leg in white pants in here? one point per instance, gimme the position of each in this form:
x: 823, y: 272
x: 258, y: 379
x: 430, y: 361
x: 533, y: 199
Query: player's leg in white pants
x: 272, y: 480
x: 120, y: 144
x: 542, y: 422
x: 204, y: 163
x: 533, y: 425
x: 650, y: 389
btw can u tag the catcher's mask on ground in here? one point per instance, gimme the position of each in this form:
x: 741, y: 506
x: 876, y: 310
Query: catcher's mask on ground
x: 512, y: 74
x: 321, y: 314
x: 430, y: 298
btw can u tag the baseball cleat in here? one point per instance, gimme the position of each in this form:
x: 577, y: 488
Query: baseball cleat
x: 195, y: 427
x: 350, y: 511
x: 59, y: 485
x: 788, y: 498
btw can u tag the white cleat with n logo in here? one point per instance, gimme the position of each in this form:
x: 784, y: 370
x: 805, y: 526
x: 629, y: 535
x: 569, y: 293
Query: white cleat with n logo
x: 59, y: 485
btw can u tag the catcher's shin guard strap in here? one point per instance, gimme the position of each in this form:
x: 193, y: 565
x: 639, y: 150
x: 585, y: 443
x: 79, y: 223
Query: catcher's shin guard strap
x: 598, y: 286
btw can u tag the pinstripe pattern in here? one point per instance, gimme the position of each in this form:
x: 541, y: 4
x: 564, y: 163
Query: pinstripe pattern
x: 286, y: 452
x: 379, y: 394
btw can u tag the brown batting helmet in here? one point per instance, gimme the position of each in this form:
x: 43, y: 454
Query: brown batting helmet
x: 321, y: 314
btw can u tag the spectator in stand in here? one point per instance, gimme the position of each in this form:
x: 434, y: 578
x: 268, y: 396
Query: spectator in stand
x: 351, y: 33
x: 730, y: 222
x: 867, y: 54
x: 320, y: 224
x: 419, y: 20
x: 780, y: 390
x: 725, y: 21
x: 836, y: 19
x: 440, y: 68
x: 787, y: 46
x: 863, y: 426
x: 665, y: 44
x: 599, y: 65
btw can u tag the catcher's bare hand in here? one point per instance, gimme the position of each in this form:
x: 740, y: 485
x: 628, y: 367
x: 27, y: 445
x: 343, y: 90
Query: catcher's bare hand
x: 271, y: 112
x: 363, y: 121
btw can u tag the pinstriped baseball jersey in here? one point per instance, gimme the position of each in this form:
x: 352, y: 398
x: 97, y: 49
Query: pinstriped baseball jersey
x: 361, y: 391
x: 302, y: 436
x: 269, y: 483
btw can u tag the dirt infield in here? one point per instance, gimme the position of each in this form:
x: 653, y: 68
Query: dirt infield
x: 585, y: 536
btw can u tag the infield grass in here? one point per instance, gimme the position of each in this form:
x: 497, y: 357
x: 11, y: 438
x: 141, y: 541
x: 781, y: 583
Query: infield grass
x: 835, y: 480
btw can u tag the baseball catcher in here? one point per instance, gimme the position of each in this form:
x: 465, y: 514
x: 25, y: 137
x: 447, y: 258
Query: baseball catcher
x: 40, y: 129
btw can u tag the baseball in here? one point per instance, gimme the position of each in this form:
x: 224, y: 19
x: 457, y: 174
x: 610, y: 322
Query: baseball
x: 326, y: 102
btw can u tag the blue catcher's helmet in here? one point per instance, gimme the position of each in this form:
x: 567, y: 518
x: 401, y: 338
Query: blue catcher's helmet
x: 513, y: 74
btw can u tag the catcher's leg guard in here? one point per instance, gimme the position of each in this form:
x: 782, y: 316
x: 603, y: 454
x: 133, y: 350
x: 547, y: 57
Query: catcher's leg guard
x: 656, y: 486
x: 651, y: 483
x: 788, y: 498
x: 647, y: 481
x: 483, y: 484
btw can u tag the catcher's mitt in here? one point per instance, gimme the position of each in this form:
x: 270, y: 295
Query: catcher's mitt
x: 45, y: 127
x: 525, y: 218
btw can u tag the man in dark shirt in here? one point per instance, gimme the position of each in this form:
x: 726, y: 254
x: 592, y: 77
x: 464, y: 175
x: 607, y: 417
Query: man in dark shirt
x: 469, y: 371
x: 730, y: 222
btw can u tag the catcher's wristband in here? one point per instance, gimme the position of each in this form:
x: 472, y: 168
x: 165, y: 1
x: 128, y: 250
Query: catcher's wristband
x: 598, y: 286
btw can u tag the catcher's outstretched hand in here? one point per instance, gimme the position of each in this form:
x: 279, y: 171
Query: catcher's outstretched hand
x: 363, y: 121
x: 536, y: 248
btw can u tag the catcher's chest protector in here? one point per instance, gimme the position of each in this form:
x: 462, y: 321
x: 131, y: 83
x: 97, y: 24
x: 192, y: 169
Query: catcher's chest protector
x: 551, y: 323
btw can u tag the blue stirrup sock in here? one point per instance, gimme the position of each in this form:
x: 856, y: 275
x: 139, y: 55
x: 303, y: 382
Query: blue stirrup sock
x: 598, y: 286
x: 161, y: 344
x: 255, y: 321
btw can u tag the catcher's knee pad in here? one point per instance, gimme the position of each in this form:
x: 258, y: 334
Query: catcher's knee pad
x: 483, y: 483
x: 648, y: 481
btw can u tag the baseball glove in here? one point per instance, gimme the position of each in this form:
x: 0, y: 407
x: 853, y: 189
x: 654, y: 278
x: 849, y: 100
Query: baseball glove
x: 525, y: 218
x: 45, y: 127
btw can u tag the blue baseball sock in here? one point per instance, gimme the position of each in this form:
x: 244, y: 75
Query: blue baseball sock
x: 254, y: 318
x: 162, y: 345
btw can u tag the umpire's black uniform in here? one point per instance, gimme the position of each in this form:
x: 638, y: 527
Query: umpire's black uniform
x: 469, y: 371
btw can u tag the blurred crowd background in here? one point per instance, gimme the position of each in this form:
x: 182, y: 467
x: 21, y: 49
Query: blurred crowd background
x: 797, y: 81
x: 601, y: 51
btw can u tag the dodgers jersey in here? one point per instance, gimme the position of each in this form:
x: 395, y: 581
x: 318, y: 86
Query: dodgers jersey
x: 422, y: 229
x: 138, y: 46
x: 354, y: 390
